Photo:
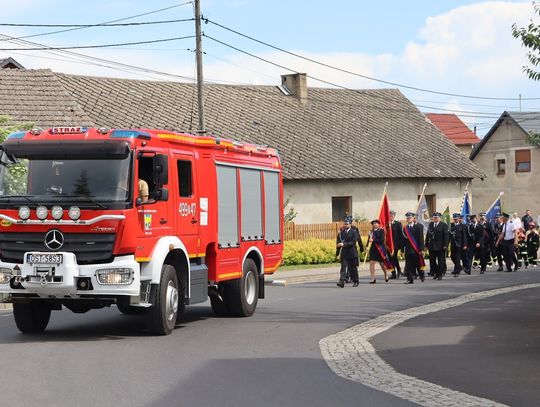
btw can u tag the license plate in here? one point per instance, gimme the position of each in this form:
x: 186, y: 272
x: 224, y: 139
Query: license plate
x: 44, y: 258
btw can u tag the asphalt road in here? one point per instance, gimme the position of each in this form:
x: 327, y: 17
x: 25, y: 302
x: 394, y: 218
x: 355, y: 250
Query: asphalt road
x: 103, y: 358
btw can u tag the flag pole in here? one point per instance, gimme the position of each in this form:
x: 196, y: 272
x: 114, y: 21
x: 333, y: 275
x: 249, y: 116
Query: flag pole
x: 368, y: 246
x: 420, y: 199
x: 463, y: 199
x: 495, y: 201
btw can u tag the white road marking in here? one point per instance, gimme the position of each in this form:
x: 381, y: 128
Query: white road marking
x: 350, y: 355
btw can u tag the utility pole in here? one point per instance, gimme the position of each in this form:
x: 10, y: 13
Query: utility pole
x: 198, y: 57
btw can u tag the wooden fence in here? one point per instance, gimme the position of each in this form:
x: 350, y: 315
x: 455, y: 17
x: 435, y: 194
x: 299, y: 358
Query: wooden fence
x: 293, y: 231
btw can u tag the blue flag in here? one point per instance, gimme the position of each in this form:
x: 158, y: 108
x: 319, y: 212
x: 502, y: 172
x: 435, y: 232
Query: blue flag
x: 465, y: 208
x: 494, y: 211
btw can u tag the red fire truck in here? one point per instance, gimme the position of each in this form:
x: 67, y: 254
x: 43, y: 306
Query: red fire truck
x: 78, y: 229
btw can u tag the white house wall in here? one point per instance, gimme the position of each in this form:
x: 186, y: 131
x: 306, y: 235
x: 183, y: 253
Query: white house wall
x: 312, y: 200
x: 521, y: 189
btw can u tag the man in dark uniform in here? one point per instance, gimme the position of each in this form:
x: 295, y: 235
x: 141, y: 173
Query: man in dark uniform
x: 473, y: 253
x: 437, y: 242
x: 397, y: 238
x: 483, y: 236
x: 348, y: 254
x: 413, y: 234
x: 497, y: 251
x: 458, y: 243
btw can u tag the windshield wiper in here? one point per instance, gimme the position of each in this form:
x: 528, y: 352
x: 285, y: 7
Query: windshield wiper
x: 27, y: 197
x: 87, y: 198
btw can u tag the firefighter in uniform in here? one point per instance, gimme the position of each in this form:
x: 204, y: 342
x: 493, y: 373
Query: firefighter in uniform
x: 413, y: 234
x: 533, y: 242
x: 458, y: 243
x: 437, y: 243
x: 397, y: 238
x: 497, y: 251
x: 507, y: 239
x: 347, y: 253
x: 483, y: 236
x: 473, y: 253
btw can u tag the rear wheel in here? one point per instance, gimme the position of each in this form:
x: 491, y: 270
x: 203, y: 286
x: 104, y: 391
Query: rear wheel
x: 241, y: 295
x: 161, y: 317
x: 32, y: 317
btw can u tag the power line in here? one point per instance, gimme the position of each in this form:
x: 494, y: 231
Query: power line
x: 358, y: 74
x: 46, y: 48
x: 106, y: 22
x: 98, y: 25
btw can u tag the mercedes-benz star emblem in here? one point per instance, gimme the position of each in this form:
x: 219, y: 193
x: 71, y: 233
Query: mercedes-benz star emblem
x: 54, y: 239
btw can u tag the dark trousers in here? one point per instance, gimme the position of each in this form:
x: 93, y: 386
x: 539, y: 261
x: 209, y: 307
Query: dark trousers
x: 499, y: 254
x: 465, y: 258
x: 532, y: 252
x: 509, y: 253
x: 395, y: 262
x: 412, y: 266
x: 483, y: 254
x: 349, y: 267
x: 436, y: 262
x: 456, y: 256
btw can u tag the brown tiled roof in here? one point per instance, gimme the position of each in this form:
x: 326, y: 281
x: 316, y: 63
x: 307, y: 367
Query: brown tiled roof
x: 337, y: 134
x: 453, y: 128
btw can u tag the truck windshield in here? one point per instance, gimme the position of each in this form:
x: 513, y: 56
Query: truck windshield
x: 65, y: 180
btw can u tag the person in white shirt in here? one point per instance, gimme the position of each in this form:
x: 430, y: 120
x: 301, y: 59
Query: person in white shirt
x: 516, y: 221
x: 508, y: 239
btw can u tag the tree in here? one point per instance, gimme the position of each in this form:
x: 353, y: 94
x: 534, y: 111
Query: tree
x: 290, y: 214
x: 14, y: 182
x: 530, y: 37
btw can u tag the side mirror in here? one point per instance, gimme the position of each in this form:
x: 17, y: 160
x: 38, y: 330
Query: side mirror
x: 161, y: 194
x: 138, y: 201
x: 161, y: 169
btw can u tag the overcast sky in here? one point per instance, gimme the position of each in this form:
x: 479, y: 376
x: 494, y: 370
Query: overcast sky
x: 460, y: 47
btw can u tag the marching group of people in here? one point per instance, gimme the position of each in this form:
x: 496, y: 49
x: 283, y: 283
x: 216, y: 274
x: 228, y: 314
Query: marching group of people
x: 512, y: 242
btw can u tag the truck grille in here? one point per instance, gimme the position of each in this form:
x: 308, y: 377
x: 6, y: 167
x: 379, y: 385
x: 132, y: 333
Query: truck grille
x: 89, y: 248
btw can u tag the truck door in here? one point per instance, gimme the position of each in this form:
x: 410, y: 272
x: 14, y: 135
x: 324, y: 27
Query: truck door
x: 186, y: 193
x: 155, y: 212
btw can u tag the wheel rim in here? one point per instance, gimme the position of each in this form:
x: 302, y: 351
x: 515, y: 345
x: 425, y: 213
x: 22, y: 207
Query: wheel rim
x: 250, y: 287
x: 171, y: 301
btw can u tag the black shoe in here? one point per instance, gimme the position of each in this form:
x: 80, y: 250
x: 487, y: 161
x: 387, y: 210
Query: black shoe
x: 467, y: 271
x: 409, y: 282
x: 373, y: 282
x: 439, y: 278
x: 341, y: 284
x: 355, y: 284
x: 386, y: 280
x: 482, y: 271
x: 422, y: 278
x: 393, y: 277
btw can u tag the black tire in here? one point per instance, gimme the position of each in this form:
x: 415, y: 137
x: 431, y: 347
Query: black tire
x: 130, y: 310
x: 32, y: 317
x: 165, y: 298
x: 241, y: 295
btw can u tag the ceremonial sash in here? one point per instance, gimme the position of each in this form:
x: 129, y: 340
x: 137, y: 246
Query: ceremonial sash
x: 382, y: 252
x: 415, y: 247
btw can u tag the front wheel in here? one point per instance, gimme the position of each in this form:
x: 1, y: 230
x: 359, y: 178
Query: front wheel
x: 32, y: 317
x: 166, y: 298
x: 241, y: 295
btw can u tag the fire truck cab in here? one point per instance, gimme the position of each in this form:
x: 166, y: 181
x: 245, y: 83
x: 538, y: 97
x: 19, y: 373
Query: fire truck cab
x: 148, y: 220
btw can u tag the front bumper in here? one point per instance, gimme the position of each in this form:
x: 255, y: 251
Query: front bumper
x: 60, y: 281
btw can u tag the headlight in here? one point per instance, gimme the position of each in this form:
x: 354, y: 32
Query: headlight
x: 5, y: 275
x: 74, y: 213
x: 24, y: 212
x: 115, y: 276
x: 57, y: 212
x: 42, y: 212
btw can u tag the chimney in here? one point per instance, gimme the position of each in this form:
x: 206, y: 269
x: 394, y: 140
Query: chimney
x: 296, y: 84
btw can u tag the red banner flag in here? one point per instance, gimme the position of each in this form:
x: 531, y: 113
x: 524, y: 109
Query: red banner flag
x: 384, y: 219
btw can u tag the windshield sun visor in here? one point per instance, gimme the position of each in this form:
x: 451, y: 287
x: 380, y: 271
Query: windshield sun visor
x: 67, y: 149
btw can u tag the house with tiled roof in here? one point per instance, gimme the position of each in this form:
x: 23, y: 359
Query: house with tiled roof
x: 10, y: 63
x: 457, y: 132
x: 511, y: 163
x: 338, y: 146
